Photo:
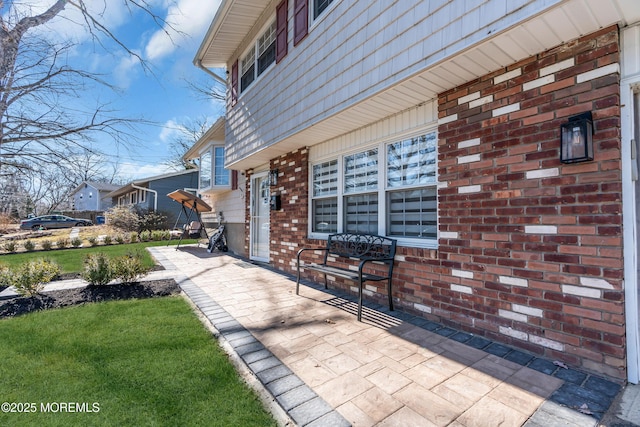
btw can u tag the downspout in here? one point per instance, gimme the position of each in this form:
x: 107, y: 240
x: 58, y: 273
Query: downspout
x: 155, y: 198
x: 211, y: 73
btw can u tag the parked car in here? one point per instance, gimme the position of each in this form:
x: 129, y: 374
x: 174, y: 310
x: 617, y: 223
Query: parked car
x: 53, y: 221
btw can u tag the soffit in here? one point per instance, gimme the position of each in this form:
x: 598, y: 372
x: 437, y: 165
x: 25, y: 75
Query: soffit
x: 233, y: 21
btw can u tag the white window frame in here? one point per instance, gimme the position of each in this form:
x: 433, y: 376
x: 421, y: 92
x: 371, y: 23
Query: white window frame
x: 314, y: 21
x: 254, y: 46
x: 213, y: 185
x: 382, y: 191
x: 142, y: 196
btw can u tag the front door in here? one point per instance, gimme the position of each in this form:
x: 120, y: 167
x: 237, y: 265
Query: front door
x: 259, y: 224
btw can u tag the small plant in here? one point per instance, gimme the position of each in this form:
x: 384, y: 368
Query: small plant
x: 29, y: 246
x: 10, y: 246
x: 46, y: 245
x: 93, y: 241
x: 129, y: 268
x: 145, y: 236
x: 29, y: 279
x: 5, y: 276
x: 119, y: 239
x: 97, y: 269
x: 157, y: 235
x: 133, y: 237
x: 62, y: 243
x: 123, y: 218
x: 76, y: 242
x: 107, y: 240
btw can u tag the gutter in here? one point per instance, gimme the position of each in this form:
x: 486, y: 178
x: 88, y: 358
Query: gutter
x: 211, y: 73
x: 155, y: 199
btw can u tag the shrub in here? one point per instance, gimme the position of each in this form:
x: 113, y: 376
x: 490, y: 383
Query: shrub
x: 76, y: 242
x: 93, y: 241
x: 119, y: 238
x: 157, y: 235
x: 62, y: 243
x: 151, y: 220
x: 129, y: 268
x: 29, y: 245
x: 10, y: 246
x: 133, y: 237
x: 123, y: 218
x: 145, y: 236
x: 5, y: 276
x: 29, y: 278
x: 97, y: 269
x: 107, y: 240
x: 46, y: 245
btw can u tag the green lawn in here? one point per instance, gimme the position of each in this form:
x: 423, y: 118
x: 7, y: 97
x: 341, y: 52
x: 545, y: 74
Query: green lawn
x: 70, y: 260
x: 139, y: 362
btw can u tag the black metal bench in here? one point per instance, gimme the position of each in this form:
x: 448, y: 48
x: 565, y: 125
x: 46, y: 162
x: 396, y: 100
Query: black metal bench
x: 366, y: 248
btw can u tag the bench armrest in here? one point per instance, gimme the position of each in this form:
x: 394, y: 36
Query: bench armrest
x: 308, y: 249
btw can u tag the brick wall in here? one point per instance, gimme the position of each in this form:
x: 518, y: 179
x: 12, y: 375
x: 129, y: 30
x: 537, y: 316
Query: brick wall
x: 531, y: 250
x: 289, y: 224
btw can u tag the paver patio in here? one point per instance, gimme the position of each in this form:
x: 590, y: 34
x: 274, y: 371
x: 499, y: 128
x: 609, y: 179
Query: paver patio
x: 326, y: 368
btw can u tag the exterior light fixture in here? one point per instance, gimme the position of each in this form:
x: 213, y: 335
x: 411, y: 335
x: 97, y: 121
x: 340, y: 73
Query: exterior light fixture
x: 273, y: 177
x: 576, y: 139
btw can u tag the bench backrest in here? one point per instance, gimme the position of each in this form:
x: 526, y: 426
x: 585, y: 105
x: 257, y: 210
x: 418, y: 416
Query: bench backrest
x: 360, y: 246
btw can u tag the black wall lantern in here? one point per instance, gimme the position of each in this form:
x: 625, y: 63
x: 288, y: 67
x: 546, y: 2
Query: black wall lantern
x: 576, y: 139
x: 273, y: 177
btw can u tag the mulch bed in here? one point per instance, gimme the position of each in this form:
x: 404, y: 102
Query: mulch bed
x: 68, y: 297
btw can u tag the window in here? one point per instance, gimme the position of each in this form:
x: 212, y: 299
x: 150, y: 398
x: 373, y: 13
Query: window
x: 143, y: 196
x: 388, y: 189
x: 220, y: 174
x: 212, y: 171
x: 133, y: 197
x: 325, y: 201
x: 205, y: 170
x: 259, y: 57
x: 319, y: 6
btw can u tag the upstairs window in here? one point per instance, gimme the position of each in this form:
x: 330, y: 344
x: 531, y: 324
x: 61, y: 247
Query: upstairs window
x: 259, y: 57
x: 319, y: 6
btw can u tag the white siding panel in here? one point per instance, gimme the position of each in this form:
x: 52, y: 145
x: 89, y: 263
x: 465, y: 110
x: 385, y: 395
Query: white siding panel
x: 405, y: 122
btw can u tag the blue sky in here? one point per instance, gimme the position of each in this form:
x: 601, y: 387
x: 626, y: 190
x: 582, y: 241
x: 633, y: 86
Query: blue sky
x: 162, y: 97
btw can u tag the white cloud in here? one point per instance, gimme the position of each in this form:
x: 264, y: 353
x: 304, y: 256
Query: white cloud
x: 134, y: 171
x: 189, y: 25
x: 171, y: 130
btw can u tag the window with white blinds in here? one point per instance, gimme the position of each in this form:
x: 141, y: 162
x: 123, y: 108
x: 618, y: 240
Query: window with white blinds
x: 389, y: 189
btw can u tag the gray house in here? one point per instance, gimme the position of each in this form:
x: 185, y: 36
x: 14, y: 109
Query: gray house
x: 151, y: 193
x: 92, y: 196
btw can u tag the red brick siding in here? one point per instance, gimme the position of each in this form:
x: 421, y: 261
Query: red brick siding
x: 555, y: 290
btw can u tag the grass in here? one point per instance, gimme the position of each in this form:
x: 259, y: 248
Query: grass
x: 70, y: 260
x: 143, y: 362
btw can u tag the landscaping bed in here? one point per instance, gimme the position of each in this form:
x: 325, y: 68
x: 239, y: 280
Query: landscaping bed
x: 82, y: 295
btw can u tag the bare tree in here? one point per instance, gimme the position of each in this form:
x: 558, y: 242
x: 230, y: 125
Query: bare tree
x: 41, y: 113
x: 187, y: 134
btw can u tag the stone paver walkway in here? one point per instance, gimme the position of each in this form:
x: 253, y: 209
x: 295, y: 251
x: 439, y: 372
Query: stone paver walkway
x: 326, y: 368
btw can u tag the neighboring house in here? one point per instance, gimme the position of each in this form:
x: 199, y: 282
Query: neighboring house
x: 220, y: 188
x: 439, y: 124
x: 150, y: 194
x: 92, y: 196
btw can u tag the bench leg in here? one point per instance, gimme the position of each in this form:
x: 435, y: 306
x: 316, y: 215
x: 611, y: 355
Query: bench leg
x: 390, y: 297
x: 326, y: 286
x: 360, y: 302
x: 298, y: 280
